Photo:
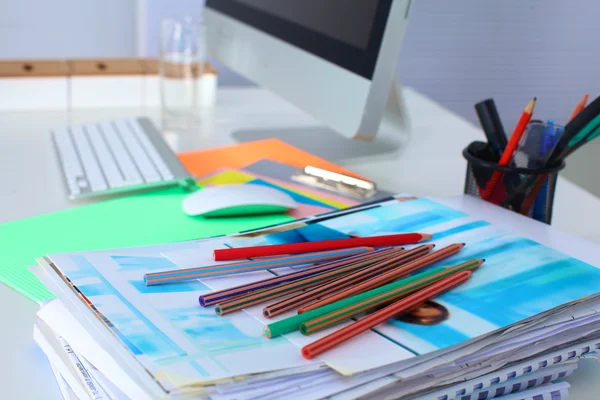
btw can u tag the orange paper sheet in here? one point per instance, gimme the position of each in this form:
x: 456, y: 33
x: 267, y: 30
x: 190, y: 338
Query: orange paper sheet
x: 203, y: 162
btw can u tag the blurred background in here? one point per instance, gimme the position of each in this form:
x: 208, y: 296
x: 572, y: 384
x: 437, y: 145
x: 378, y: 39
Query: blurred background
x: 456, y: 52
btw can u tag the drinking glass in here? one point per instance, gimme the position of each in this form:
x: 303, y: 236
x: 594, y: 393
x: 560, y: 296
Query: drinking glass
x: 182, y: 60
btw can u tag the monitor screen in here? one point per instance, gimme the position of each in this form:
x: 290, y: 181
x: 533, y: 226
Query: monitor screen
x: 323, y: 16
x: 345, y: 32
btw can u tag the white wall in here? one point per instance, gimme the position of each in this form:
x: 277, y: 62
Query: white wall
x: 67, y: 28
x: 462, y: 51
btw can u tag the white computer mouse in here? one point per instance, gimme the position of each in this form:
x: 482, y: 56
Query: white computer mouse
x: 236, y: 200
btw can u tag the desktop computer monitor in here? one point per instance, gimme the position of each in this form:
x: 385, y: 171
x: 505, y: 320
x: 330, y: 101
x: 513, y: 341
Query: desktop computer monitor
x: 334, y: 59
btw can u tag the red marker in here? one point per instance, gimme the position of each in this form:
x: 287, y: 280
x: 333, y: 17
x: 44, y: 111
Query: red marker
x: 306, y: 247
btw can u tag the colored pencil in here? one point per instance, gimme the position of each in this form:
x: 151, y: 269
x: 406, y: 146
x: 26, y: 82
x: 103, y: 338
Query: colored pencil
x: 348, y: 280
x: 240, y: 290
x: 577, y: 131
x: 533, y: 193
x: 260, y: 296
x: 305, y: 247
x: 175, y: 276
x: 401, y: 306
x: 580, y: 128
x: 511, y: 147
x: 293, y: 323
x: 387, y: 277
x: 343, y: 314
x: 580, y: 106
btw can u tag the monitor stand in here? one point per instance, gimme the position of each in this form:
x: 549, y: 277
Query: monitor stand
x: 326, y: 143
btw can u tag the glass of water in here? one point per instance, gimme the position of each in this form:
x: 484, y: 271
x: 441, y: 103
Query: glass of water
x: 182, y: 59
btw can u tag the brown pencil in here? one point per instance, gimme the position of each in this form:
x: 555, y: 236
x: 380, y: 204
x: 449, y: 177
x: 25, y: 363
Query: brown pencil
x: 346, y: 281
x: 260, y: 264
x: 388, y: 276
x: 401, y: 306
x: 290, y: 288
x: 211, y: 298
x: 397, y: 290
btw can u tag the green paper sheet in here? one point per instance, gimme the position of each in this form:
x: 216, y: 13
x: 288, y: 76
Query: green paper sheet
x: 137, y: 220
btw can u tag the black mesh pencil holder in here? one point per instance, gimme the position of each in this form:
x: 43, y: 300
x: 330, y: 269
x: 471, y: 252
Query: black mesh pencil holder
x: 524, y: 190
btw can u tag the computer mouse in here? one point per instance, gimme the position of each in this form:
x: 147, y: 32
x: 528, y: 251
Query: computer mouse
x: 237, y: 200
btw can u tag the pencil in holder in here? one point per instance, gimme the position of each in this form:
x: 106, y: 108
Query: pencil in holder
x: 528, y: 191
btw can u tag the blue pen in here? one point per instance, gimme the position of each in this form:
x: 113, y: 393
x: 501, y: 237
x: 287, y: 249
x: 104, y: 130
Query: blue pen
x: 548, y: 139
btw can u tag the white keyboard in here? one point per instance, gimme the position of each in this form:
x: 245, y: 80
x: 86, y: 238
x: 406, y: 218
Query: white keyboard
x: 114, y: 156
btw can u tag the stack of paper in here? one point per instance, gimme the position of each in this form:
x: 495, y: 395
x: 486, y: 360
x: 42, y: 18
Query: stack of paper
x: 519, y: 323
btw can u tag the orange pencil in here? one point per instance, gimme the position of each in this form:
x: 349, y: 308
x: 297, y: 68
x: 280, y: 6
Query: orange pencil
x: 386, y: 277
x: 580, y: 106
x: 401, y: 306
x: 261, y: 296
x: 510, y: 149
x: 359, y: 276
x: 385, y: 298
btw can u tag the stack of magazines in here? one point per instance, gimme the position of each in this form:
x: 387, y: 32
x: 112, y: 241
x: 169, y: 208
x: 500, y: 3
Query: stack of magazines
x: 514, y: 330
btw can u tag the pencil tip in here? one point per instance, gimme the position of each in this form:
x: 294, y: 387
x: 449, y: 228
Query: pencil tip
x: 535, y: 98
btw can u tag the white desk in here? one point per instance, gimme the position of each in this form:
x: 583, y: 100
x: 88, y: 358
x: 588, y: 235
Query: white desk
x: 31, y: 184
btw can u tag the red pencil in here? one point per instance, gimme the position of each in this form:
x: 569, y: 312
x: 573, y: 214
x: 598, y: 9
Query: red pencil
x: 510, y: 149
x: 305, y: 247
x: 394, y: 309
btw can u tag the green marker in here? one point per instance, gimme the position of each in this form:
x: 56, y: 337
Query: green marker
x: 593, y: 124
x: 594, y: 134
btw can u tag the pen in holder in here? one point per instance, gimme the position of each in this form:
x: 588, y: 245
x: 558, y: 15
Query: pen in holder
x: 529, y: 191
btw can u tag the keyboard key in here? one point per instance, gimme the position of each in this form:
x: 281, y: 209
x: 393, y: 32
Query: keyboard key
x: 82, y: 183
x: 86, y: 155
x: 142, y: 161
x: 130, y: 173
x: 105, y: 158
x: 157, y: 160
x: 68, y: 155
